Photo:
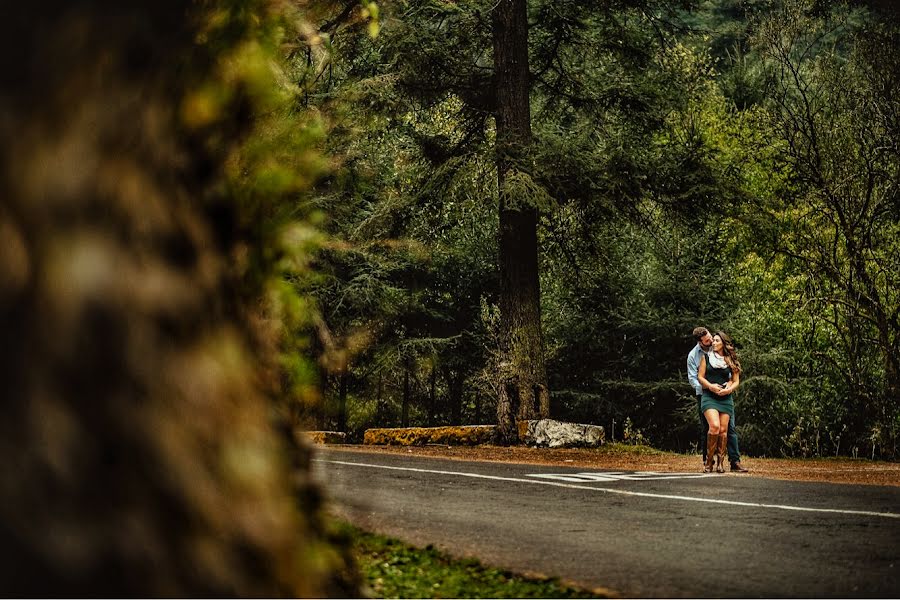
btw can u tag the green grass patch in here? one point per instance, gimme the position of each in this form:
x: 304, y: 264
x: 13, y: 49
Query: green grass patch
x: 392, y: 569
x: 620, y: 448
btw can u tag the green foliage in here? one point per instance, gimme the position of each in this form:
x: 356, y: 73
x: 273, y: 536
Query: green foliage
x: 827, y: 221
x: 396, y: 570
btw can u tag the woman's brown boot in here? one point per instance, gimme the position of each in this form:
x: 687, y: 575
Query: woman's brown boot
x: 720, y: 455
x: 712, y: 444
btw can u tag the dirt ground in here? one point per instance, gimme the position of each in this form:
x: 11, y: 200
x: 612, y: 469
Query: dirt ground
x: 631, y: 458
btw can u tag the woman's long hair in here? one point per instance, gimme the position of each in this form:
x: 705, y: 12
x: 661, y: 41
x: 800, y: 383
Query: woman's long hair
x: 729, y: 353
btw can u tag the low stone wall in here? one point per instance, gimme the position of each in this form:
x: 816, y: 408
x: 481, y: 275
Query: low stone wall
x: 463, y: 435
x: 543, y: 432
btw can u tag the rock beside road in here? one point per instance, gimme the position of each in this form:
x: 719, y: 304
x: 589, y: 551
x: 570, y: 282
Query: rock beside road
x: 559, y: 434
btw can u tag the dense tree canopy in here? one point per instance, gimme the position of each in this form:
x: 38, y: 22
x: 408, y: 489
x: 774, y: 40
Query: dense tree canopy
x: 724, y: 163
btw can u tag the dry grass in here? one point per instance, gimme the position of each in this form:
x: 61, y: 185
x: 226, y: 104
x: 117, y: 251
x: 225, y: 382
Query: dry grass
x: 642, y: 458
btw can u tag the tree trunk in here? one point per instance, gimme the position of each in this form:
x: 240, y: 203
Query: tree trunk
x: 146, y: 452
x: 379, y: 399
x: 321, y: 408
x: 342, y: 406
x: 432, y: 399
x: 522, y: 370
x: 455, y: 391
x: 404, y: 410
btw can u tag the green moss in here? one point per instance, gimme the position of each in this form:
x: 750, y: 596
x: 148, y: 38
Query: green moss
x: 392, y: 569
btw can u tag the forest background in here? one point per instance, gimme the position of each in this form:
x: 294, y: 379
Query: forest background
x: 727, y: 163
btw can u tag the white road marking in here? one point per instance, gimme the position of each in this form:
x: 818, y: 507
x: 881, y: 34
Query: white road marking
x: 617, y: 476
x: 868, y: 513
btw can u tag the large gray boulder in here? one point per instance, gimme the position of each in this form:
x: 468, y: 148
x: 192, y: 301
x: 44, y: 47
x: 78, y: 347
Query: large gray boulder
x: 558, y: 434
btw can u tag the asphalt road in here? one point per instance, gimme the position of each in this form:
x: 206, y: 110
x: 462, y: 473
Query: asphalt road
x: 637, y: 535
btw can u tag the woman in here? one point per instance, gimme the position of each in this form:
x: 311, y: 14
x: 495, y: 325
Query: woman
x: 719, y: 375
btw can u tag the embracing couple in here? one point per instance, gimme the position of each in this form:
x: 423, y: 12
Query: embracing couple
x: 714, y: 372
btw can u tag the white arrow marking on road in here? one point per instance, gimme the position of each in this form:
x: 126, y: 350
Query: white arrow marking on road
x: 867, y: 513
x: 617, y: 476
x: 573, y: 478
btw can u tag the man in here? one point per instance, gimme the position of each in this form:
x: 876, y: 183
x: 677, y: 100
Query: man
x: 704, y: 343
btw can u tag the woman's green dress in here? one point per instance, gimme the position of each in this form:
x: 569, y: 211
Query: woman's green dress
x: 723, y: 404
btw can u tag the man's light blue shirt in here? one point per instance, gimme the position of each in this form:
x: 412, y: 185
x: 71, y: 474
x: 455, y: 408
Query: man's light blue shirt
x: 693, y: 366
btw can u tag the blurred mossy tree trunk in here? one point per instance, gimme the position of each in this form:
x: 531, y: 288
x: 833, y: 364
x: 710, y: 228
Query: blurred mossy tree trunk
x: 152, y: 185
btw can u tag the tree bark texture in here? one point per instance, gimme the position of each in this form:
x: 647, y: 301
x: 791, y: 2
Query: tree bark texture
x: 404, y: 409
x: 379, y: 397
x: 432, y: 396
x: 523, y: 392
x: 342, y: 406
x: 139, y: 421
x: 455, y: 391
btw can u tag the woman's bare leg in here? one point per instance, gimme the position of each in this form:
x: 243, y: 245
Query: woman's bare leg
x: 712, y: 438
x: 722, y: 442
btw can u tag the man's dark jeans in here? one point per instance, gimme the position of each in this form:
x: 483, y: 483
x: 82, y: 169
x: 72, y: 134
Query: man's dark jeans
x: 734, y: 454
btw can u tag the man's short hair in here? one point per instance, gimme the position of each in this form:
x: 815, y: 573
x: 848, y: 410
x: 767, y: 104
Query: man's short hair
x: 699, y: 332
